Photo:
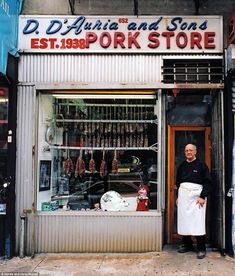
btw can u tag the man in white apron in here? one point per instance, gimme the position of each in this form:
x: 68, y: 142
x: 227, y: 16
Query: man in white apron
x: 194, y: 183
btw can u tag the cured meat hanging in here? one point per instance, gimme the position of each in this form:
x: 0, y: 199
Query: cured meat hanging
x: 115, y: 126
x: 76, y: 117
x: 115, y: 135
x: 103, y: 167
x: 80, y: 166
x: 68, y: 117
x: 92, y: 164
x: 115, y: 163
x: 145, y: 140
x: 68, y: 166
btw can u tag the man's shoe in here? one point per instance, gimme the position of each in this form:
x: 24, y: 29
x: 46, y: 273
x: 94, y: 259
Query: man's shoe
x: 184, y: 249
x: 201, y: 254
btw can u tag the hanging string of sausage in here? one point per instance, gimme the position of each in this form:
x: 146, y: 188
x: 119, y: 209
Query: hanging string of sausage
x: 68, y: 166
x: 103, y: 167
x: 105, y: 134
x: 80, y: 166
x: 115, y: 163
x: 92, y: 168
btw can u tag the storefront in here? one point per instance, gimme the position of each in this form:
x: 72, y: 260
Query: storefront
x: 101, y: 104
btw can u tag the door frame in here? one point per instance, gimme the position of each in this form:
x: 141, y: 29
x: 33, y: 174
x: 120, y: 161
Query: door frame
x: 10, y: 82
x: 171, y: 165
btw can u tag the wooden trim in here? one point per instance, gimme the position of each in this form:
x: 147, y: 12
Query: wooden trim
x: 170, y: 175
x: 208, y: 147
x: 171, y: 146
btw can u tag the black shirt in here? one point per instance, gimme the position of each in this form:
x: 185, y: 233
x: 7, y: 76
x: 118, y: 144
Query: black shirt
x: 195, y: 172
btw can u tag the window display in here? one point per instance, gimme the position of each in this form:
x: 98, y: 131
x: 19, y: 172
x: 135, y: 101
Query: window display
x: 98, y: 147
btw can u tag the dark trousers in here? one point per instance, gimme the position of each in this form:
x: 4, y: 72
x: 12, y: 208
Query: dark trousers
x: 201, y: 242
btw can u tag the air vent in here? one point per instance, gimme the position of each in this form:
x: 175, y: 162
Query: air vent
x: 193, y: 71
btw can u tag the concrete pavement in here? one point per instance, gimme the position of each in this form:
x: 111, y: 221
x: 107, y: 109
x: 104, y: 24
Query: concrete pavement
x: 167, y: 262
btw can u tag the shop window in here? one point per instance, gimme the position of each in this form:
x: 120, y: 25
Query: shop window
x: 96, y: 151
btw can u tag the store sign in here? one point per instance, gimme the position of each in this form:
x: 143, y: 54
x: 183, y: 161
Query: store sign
x: 144, y: 34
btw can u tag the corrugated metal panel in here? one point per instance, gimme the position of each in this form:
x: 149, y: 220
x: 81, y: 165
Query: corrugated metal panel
x: 24, y: 158
x: 72, y: 232
x: 121, y: 69
x: 76, y: 232
x: 96, y: 232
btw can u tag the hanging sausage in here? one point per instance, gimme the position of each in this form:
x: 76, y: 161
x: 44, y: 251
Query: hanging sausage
x: 80, y: 166
x: 109, y: 118
x: 115, y: 163
x: 146, y: 141
x: 103, y: 167
x: 92, y: 164
x: 68, y: 116
x: 141, y: 126
x: 76, y: 117
x: 68, y: 166
x: 114, y: 135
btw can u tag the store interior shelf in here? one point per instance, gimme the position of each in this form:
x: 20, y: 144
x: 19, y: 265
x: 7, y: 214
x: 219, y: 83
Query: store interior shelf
x: 152, y: 147
x: 106, y: 105
x: 105, y: 121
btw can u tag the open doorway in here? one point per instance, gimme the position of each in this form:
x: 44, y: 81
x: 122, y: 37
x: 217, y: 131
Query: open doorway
x: 178, y: 137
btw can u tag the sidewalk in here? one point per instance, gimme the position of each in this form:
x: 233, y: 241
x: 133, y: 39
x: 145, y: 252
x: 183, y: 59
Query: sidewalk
x: 168, y: 262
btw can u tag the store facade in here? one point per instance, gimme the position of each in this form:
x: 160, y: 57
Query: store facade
x: 106, y: 104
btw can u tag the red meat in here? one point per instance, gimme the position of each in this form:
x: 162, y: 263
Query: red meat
x: 92, y: 165
x: 103, y: 168
x: 80, y: 167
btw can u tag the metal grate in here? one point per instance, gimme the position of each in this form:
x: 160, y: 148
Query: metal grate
x: 233, y: 93
x: 193, y: 71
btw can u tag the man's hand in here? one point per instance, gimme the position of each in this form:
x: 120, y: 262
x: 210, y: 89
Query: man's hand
x: 200, y: 201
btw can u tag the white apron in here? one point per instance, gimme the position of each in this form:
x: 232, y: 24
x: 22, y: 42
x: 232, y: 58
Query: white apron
x: 191, y: 219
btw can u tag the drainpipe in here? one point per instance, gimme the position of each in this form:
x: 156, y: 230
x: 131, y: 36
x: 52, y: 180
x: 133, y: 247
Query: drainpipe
x: 22, y: 235
x: 33, y: 232
x: 136, y: 8
x: 197, y: 6
x: 71, y: 4
x: 223, y: 173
